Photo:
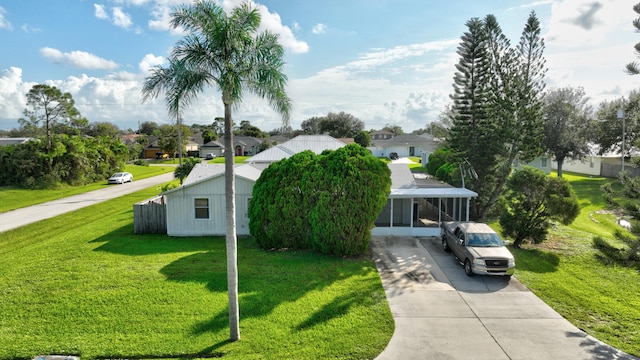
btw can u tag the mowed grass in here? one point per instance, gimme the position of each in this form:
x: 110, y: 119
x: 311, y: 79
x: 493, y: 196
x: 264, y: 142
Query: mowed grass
x: 566, y: 272
x: 12, y: 198
x: 83, y: 284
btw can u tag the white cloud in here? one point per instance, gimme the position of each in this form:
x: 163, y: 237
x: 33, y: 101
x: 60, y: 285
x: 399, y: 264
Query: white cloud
x: 121, y: 19
x: 12, y: 95
x: 4, y: 23
x: 579, y: 23
x: 149, y: 61
x: 296, y: 26
x: 118, y: 17
x: 28, y: 29
x: 78, y: 59
x: 100, y: 12
x: 319, y: 29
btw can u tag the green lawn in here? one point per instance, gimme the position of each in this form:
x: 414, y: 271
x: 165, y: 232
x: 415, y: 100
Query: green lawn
x: 82, y: 283
x: 15, y: 198
x: 566, y: 272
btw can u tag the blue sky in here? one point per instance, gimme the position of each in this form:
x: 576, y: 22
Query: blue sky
x: 383, y: 61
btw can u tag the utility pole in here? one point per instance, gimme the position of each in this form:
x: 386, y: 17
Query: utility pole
x: 621, y: 116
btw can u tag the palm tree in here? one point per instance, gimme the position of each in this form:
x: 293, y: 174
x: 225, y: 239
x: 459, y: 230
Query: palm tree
x: 225, y: 51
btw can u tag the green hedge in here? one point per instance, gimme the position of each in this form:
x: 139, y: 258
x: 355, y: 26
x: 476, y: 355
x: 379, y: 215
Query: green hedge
x: 326, y: 202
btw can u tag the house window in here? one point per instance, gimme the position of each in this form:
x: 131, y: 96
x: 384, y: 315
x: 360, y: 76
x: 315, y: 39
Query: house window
x: 544, y: 162
x: 201, y: 206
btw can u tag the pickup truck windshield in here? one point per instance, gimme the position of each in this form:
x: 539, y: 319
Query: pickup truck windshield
x: 484, y: 240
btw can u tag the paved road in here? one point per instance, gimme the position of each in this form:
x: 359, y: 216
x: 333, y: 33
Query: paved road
x: 440, y: 313
x: 16, y: 218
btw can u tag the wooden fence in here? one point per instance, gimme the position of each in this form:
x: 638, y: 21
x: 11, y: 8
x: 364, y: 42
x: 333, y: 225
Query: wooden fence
x: 150, y: 216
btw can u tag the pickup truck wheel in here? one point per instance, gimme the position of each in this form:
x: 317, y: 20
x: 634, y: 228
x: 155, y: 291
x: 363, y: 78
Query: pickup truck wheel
x: 467, y: 268
x: 445, y: 246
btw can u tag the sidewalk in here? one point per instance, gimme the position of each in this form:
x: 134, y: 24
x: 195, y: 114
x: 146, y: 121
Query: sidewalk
x: 440, y: 313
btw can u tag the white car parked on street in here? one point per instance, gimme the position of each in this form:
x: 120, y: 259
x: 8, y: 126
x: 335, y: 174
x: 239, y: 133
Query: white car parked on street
x: 120, y: 178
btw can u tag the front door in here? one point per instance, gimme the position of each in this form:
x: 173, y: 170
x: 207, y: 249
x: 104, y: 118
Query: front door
x: 412, y: 151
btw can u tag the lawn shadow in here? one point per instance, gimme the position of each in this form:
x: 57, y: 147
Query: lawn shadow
x: 124, y: 241
x: 267, y: 279
x: 535, y: 260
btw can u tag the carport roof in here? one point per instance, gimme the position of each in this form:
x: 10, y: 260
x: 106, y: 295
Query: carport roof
x: 432, y: 193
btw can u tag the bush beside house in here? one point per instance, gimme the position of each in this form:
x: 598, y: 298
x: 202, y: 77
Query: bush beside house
x: 327, y: 202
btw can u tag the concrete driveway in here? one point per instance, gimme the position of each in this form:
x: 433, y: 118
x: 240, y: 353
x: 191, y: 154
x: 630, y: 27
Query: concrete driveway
x: 440, y: 313
x: 16, y: 218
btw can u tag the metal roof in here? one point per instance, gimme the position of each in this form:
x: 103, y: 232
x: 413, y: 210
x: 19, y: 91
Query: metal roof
x: 203, y: 172
x: 401, y: 177
x: 315, y: 143
x: 432, y: 193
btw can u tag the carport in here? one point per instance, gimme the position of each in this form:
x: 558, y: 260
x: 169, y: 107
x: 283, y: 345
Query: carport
x: 418, y: 211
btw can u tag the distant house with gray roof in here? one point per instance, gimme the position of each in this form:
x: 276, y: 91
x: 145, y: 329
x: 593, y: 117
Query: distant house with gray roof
x: 404, y: 145
x: 14, y: 141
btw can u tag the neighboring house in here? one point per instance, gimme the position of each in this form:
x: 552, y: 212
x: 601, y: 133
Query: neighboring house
x: 381, y: 135
x: 404, y: 145
x: 152, y: 148
x: 14, y: 141
x: 197, y: 207
x: 347, y: 141
x: 542, y: 162
x: 246, y: 145
x: 212, y: 147
x: 315, y: 143
x: 608, y: 164
x: 276, y: 139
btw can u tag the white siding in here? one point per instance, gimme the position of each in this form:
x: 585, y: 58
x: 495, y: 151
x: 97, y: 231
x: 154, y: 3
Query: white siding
x: 589, y: 166
x: 181, y: 219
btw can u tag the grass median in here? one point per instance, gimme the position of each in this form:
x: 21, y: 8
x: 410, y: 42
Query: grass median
x: 83, y: 284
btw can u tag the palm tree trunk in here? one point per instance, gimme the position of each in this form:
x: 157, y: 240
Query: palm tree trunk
x: 231, y: 240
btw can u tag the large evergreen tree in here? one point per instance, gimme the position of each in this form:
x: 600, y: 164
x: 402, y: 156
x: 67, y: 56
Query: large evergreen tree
x: 474, y: 135
x: 497, y: 103
x: 633, y: 68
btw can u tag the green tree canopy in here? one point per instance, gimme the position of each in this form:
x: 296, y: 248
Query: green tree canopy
x: 326, y: 202
x: 532, y: 201
x: 48, y: 107
x: 363, y: 138
x: 566, y: 124
x: 340, y: 125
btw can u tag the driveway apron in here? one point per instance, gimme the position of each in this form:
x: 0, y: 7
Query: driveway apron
x: 440, y: 313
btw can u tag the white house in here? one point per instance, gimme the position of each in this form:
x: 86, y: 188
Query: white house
x: 197, y: 207
x: 404, y: 145
x: 414, y: 208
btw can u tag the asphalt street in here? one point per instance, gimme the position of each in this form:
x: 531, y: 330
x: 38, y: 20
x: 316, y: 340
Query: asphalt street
x: 16, y: 218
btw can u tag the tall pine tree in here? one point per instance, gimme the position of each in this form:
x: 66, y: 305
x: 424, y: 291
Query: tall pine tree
x: 497, y: 110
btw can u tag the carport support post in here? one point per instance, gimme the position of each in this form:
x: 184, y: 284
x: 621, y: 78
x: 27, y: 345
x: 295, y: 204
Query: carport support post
x: 467, y: 208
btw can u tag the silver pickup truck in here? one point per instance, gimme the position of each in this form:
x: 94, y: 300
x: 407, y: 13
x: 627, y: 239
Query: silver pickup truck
x: 478, y: 247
